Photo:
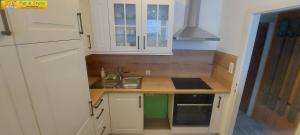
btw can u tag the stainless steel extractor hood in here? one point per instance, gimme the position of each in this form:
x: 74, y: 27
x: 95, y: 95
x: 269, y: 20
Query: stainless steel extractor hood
x: 191, y: 30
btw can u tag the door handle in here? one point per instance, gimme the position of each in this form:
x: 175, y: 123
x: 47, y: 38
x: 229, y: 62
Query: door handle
x: 103, y: 130
x: 91, y: 108
x: 6, y: 30
x: 219, y: 103
x: 144, y: 38
x: 102, y: 110
x: 90, y: 42
x: 196, y: 105
x: 80, y: 23
x: 140, y: 101
x: 99, y: 103
x: 138, y: 38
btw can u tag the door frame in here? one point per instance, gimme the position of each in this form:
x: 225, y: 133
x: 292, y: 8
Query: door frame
x: 252, y: 19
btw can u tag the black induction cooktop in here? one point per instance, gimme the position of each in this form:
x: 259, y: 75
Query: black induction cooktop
x: 190, y: 83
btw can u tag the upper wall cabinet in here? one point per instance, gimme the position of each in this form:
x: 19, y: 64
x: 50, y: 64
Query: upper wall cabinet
x: 61, y: 21
x: 157, y: 25
x: 135, y: 27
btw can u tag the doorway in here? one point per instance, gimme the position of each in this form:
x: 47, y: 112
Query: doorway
x: 268, y: 105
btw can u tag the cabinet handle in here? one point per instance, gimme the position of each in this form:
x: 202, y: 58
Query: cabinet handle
x: 102, y: 110
x: 219, y: 103
x: 91, y: 108
x: 99, y: 103
x: 138, y: 38
x: 80, y: 23
x: 6, y: 31
x: 144, y: 42
x: 103, y: 130
x: 90, y: 43
x: 140, y: 102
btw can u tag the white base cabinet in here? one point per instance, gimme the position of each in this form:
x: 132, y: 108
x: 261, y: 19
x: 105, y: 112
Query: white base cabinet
x: 101, y: 116
x: 127, y: 113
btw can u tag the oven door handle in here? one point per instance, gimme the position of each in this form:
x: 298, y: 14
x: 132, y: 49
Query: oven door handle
x: 199, y: 105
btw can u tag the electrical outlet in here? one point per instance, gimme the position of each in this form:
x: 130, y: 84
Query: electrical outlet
x: 231, y: 67
x: 148, y: 72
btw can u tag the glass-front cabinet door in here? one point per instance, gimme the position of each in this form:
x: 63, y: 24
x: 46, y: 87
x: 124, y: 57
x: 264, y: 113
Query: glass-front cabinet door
x: 125, y: 25
x: 157, y: 16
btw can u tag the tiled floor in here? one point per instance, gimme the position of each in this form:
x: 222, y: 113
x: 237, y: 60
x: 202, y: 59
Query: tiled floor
x: 247, y: 126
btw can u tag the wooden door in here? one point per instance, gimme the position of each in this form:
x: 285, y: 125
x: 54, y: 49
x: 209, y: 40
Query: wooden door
x: 57, y: 80
x: 126, y: 113
x: 16, y: 115
x: 59, y: 22
x: 254, y: 65
x: 125, y: 25
x: 5, y: 37
x: 157, y: 23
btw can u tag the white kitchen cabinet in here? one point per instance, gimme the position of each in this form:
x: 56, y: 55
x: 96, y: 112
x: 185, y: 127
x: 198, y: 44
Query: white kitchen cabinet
x: 56, y: 76
x: 5, y: 35
x: 125, y: 25
x: 60, y: 21
x: 84, y: 6
x: 100, y: 26
x: 135, y: 26
x: 126, y: 111
x: 102, y: 117
x: 87, y: 128
x: 16, y: 115
x: 157, y: 25
x: 216, y: 114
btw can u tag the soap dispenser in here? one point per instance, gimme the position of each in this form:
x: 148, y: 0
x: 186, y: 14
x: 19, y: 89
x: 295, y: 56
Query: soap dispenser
x: 102, y: 73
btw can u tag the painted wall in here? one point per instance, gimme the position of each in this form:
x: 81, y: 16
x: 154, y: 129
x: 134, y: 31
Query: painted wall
x: 209, y: 19
x: 233, y: 21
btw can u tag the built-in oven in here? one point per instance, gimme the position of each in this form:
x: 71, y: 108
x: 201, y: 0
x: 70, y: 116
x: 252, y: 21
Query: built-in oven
x: 193, y: 110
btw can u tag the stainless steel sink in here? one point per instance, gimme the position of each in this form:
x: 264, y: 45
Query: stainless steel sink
x: 132, y: 82
x: 125, y: 83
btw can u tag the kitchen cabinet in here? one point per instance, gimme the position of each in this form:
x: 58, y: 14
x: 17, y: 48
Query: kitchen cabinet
x: 216, y: 113
x: 87, y: 128
x: 56, y: 77
x: 126, y: 111
x: 16, y: 115
x: 60, y: 21
x: 84, y: 6
x: 125, y: 25
x: 102, y: 117
x: 135, y: 26
x: 157, y: 25
x: 6, y: 37
x: 100, y: 26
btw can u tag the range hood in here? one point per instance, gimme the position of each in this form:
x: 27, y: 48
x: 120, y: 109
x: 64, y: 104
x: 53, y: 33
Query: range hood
x: 191, y: 30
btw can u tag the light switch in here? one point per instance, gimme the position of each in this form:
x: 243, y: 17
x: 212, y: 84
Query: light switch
x: 148, y: 72
x: 231, y: 67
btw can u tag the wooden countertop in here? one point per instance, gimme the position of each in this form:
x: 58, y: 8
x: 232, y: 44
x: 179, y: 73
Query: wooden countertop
x: 159, y: 85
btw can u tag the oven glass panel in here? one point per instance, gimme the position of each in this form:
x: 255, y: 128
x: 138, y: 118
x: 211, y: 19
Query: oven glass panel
x: 192, y: 115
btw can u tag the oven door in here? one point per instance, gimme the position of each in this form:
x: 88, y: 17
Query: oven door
x: 192, y: 115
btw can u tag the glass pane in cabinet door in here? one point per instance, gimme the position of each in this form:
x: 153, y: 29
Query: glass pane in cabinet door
x: 130, y: 14
x: 120, y: 36
x: 163, y: 15
x: 119, y: 14
x: 152, y: 15
x: 131, y: 36
x: 163, y: 37
x: 151, y: 36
